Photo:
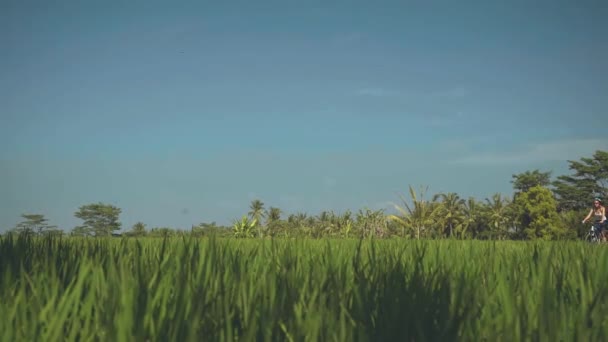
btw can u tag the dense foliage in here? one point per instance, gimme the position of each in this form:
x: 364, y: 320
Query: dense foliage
x: 194, y: 289
x: 539, y: 208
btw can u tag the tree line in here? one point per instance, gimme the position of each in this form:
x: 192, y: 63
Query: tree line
x: 540, y: 208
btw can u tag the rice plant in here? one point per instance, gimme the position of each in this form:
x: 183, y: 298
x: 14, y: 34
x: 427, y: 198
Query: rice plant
x: 188, y: 289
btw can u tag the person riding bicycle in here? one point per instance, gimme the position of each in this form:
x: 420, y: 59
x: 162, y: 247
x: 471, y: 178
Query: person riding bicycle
x: 599, y: 217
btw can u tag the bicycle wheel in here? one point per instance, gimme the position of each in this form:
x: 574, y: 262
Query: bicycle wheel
x: 592, y: 238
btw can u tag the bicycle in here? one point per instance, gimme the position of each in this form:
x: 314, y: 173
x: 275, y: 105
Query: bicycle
x: 593, y: 236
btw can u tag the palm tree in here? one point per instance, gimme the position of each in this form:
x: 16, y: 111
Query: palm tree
x: 273, y: 214
x: 327, y: 222
x: 450, y: 210
x: 498, y: 212
x: 418, y: 217
x: 256, y: 211
x: 301, y: 217
x: 273, y: 218
x: 324, y: 217
x: 372, y: 223
x: 471, y: 211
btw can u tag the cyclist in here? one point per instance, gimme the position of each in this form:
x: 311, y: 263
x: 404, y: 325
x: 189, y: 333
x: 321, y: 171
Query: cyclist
x: 599, y: 217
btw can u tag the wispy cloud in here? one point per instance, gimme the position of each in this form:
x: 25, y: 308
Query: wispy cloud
x: 541, y: 152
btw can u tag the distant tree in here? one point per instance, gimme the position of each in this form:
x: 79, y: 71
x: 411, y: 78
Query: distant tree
x: 34, y: 224
x: 81, y: 231
x: 244, y: 228
x: 162, y: 232
x: 418, y: 217
x: 138, y: 229
x: 369, y: 223
x: 99, y: 219
x: 497, y: 209
x: 296, y: 222
x: 274, y: 224
x: 273, y: 214
x: 205, y: 229
x: 572, y: 222
x: 472, y: 223
x: 589, y: 179
x: 524, y: 181
x: 537, y: 214
x: 450, y: 212
x: 256, y: 210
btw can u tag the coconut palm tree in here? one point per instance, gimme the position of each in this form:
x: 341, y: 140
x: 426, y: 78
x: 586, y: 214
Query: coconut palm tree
x: 418, y: 217
x: 256, y: 212
x: 371, y: 223
x: 273, y: 215
x: 498, y: 210
x: 450, y: 210
x: 471, y: 211
x: 256, y: 209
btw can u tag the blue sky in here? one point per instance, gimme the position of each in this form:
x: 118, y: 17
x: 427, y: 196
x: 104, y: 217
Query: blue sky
x: 183, y: 112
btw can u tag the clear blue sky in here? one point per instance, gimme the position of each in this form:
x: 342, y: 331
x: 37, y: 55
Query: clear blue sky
x: 183, y: 112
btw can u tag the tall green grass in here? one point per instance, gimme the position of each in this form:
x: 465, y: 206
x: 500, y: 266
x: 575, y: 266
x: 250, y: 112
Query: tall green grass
x: 300, y: 290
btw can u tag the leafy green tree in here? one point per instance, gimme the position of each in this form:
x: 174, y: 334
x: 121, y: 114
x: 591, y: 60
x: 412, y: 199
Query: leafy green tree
x: 537, y: 214
x: 138, y: 229
x: 81, y: 231
x: 34, y: 224
x: 162, y: 232
x: 572, y: 221
x: 99, y: 219
x: 206, y: 229
x: 525, y: 181
x: 589, y: 179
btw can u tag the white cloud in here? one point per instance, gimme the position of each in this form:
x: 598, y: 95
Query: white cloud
x: 541, y: 152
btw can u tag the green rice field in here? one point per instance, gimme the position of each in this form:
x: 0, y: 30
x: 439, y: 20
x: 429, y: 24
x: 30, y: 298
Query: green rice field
x: 207, y: 289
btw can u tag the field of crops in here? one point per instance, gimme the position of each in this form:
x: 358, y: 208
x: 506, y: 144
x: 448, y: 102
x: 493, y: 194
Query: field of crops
x: 301, y: 290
